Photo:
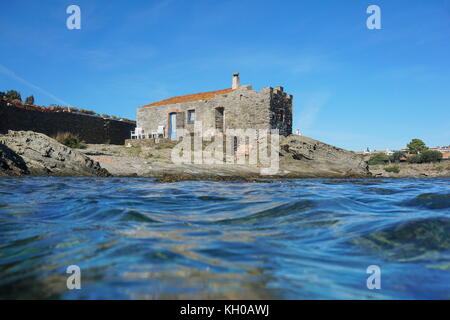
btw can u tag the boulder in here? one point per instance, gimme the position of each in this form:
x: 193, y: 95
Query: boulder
x: 28, y: 152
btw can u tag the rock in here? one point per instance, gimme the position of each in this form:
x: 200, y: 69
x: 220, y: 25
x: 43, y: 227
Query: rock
x: 27, y: 152
x: 300, y: 157
x: 300, y: 154
x: 11, y: 164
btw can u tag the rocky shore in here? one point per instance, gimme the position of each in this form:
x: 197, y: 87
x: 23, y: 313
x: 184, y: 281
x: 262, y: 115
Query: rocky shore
x: 300, y: 157
x: 30, y: 153
x: 26, y: 152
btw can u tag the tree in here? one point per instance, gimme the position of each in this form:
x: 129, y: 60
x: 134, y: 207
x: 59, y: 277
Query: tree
x: 2, y: 94
x: 379, y: 158
x: 396, y: 156
x: 416, y: 146
x: 29, y: 100
x: 13, y: 95
x: 431, y: 156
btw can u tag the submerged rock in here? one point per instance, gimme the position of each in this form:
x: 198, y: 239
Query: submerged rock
x: 409, y: 240
x: 27, y: 152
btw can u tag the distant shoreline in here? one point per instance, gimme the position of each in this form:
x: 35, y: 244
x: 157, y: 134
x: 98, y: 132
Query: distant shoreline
x: 411, y: 170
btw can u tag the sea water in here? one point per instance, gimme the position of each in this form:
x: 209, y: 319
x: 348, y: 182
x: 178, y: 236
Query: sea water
x: 133, y: 238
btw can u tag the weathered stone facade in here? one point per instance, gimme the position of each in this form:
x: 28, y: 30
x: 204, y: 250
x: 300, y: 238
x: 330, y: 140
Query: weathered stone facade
x: 236, y: 108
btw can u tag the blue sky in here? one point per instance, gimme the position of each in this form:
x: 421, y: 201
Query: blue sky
x: 353, y: 87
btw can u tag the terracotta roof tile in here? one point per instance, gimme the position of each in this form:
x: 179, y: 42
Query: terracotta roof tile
x: 189, y: 98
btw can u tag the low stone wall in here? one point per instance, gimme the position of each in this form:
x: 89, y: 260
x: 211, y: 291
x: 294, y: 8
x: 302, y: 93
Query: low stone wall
x: 91, y: 129
x: 150, y: 142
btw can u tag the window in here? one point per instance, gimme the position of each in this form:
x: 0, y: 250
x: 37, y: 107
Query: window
x: 280, y: 116
x: 219, y: 119
x: 191, y: 116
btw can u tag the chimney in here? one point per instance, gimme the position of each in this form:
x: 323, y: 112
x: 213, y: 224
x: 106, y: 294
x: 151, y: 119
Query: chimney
x: 236, y: 82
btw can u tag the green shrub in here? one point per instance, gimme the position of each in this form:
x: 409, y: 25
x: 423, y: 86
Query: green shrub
x: 394, y: 169
x: 415, y: 159
x: 29, y: 100
x: 431, y: 156
x: 396, y: 156
x: 379, y: 158
x: 13, y: 95
x: 70, y: 140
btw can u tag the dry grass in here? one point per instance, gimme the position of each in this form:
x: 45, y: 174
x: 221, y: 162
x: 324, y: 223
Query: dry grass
x: 134, y: 151
x: 70, y: 140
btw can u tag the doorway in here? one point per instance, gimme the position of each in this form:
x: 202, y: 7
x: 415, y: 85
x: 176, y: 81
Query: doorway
x: 173, y: 125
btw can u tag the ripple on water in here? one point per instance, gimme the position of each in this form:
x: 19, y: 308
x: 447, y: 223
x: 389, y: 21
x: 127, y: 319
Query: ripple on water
x: 136, y: 216
x: 272, y: 214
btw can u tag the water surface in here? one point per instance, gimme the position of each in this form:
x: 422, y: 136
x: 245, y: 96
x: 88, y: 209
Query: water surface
x: 297, y: 239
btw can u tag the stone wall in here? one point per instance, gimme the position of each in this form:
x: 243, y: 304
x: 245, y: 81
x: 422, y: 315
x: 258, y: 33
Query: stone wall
x: 91, y: 129
x: 243, y: 108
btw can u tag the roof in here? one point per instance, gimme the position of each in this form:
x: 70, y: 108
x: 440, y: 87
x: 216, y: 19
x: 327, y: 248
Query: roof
x: 189, y: 98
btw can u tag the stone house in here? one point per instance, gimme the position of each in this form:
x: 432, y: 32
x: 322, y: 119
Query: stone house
x: 239, y: 107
